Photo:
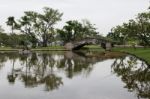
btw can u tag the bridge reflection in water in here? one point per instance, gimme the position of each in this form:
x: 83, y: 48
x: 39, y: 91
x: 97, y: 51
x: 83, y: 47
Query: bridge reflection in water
x: 49, y: 68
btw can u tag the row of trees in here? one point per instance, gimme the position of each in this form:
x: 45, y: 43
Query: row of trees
x: 40, y: 27
x: 136, y: 30
x: 14, y: 40
x: 36, y: 25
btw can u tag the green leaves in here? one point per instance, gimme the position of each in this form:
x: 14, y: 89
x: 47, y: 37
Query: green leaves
x: 37, y: 25
x: 75, y: 30
x: 11, y: 22
x: 46, y: 21
x: 137, y: 29
x: 1, y: 29
x: 40, y: 27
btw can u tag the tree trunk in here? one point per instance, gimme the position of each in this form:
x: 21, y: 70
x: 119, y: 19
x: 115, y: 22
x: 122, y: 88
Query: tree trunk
x: 45, y: 40
x: 44, y: 43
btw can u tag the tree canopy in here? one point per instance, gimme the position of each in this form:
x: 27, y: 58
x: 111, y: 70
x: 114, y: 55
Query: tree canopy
x: 75, y: 30
x: 40, y: 28
x: 137, y: 29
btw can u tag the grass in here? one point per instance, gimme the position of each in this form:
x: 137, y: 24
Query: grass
x: 50, y: 48
x: 93, y: 48
x: 143, y: 53
x: 8, y: 49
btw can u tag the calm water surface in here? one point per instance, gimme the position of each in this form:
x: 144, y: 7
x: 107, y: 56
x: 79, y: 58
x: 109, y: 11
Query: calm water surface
x: 68, y: 75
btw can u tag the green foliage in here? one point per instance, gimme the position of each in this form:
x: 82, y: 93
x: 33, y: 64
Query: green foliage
x: 38, y: 26
x: 4, y: 39
x: 1, y: 29
x: 12, y: 23
x: 27, y: 26
x: 135, y: 29
x: 74, y: 30
x: 14, y: 40
x: 46, y: 22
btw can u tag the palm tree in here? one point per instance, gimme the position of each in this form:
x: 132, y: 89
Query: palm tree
x: 11, y: 22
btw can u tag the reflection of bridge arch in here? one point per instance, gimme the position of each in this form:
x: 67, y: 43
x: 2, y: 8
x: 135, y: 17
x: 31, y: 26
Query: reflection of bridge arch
x: 76, y: 45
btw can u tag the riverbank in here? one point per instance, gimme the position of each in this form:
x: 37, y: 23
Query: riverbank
x: 142, y: 53
x: 53, y: 48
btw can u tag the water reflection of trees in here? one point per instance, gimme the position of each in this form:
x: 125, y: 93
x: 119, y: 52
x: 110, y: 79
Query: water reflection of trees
x: 135, y: 74
x: 48, y: 68
x: 4, y: 57
x: 34, y: 71
x: 44, y: 68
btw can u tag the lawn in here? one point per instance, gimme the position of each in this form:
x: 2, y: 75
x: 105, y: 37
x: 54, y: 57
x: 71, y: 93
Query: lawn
x: 93, y: 48
x: 8, y: 49
x: 50, y: 48
x: 143, y: 53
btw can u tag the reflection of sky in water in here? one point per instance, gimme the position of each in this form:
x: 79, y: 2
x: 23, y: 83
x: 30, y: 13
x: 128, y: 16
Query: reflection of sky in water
x: 100, y: 83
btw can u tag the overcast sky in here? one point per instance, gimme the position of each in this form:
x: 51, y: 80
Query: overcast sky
x: 105, y: 14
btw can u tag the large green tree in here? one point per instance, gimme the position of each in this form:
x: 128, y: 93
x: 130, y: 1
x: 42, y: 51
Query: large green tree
x: 136, y: 29
x: 27, y: 26
x: 38, y: 26
x: 143, y: 27
x: 75, y: 30
x: 45, y: 24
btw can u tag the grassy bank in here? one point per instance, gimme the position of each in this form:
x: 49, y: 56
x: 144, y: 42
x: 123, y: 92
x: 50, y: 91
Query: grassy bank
x: 54, y: 48
x: 93, y: 48
x: 50, y: 48
x: 139, y: 52
x: 143, y: 53
x: 8, y: 49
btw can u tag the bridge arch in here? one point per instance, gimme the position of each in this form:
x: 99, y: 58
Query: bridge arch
x: 76, y: 45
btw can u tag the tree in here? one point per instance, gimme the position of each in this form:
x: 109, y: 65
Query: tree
x: 27, y: 26
x: 4, y: 39
x: 74, y: 30
x: 88, y: 29
x: 46, y: 22
x: 11, y: 22
x: 70, y: 31
x: 117, y: 34
x: 143, y: 25
x: 135, y: 29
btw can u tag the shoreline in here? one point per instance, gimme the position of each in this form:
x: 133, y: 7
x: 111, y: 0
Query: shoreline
x: 140, y: 53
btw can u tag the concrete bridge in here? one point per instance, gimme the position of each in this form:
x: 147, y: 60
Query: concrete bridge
x: 76, y: 45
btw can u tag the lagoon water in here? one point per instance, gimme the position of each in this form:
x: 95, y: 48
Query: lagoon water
x: 69, y: 75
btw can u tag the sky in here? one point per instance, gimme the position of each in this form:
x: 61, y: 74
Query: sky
x: 105, y: 14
